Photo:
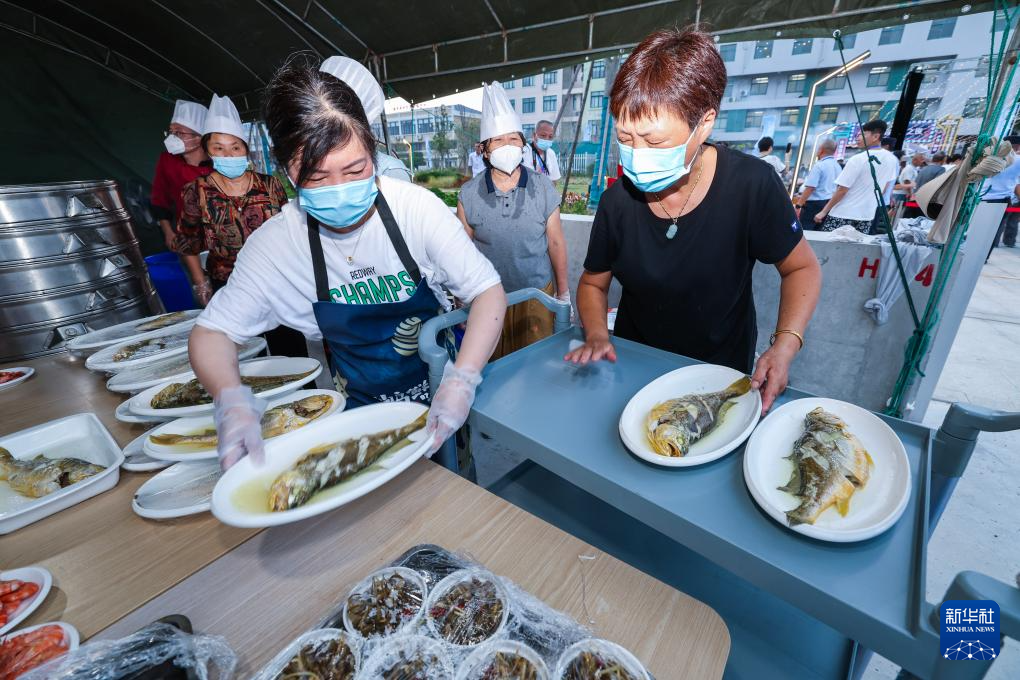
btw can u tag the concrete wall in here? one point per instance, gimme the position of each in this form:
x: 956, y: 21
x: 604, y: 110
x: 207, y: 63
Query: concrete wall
x: 847, y: 356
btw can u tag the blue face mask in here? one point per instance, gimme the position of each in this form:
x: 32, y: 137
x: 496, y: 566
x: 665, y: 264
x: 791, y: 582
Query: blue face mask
x: 230, y: 166
x: 340, y: 205
x: 544, y: 144
x: 653, y: 170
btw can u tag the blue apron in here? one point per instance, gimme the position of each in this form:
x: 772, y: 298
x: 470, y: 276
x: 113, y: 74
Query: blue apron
x: 373, y: 348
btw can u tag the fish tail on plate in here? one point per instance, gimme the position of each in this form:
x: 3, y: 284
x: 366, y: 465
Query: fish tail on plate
x: 675, y: 425
x: 329, y: 465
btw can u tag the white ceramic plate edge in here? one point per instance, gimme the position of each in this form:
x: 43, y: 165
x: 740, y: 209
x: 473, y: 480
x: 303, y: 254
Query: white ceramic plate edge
x: 642, y: 451
x: 27, y: 370
x: 70, y: 633
x: 824, y: 533
x: 42, y: 577
x: 180, y: 511
x: 78, y: 343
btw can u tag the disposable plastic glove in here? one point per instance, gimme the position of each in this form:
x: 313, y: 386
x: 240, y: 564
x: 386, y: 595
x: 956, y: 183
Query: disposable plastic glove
x: 565, y: 297
x: 203, y: 292
x: 239, y: 426
x: 451, y: 404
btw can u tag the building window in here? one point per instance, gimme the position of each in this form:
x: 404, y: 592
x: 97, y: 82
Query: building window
x: 527, y: 81
x: 394, y: 128
x: 528, y: 129
x: 598, y: 68
x: 425, y: 125
x: 753, y: 119
x: 549, y: 103
x: 848, y: 42
x: 593, y: 130
x: 828, y: 114
x: 1000, y: 23
x: 891, y: 35
x: 597, y: 100
x: 790, y: 117
x: 870, y: 111
x: 721, y: 120
x: 942, y: 28
x: 513, y: 103
x: 803, y: 45
x: 763, y: 49
x: 879, y: 76
x: 406, y: 127
x: 974, y: 108
x: 728, y: 52
x: 760, y: 85
x: 549, y: 77
x: 835, y: 83
x: 982, y: 67
x: 925, y: 108
x: 728, y: 92
x: 795, y: 83
x: 508, y: 84
x: 575, y: 102
x: 528, y: 105
x: 931, y: 72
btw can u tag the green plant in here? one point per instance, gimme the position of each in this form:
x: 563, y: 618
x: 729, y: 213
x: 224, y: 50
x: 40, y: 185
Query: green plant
x: 449, y: 198
x: 575, y: 204
x: 435, y: 173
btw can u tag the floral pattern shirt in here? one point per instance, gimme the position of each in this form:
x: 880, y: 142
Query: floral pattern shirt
x: 211, y: 220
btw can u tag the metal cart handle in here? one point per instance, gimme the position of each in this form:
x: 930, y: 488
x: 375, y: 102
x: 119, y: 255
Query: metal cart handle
x: 436, y: 356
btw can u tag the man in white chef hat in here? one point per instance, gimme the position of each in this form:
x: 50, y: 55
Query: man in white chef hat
x: 513, y: 214
x: 183, y: 161
x: 360, y: 79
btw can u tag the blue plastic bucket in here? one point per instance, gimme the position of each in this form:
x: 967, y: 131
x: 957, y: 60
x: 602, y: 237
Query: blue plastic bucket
x: 171, y: 281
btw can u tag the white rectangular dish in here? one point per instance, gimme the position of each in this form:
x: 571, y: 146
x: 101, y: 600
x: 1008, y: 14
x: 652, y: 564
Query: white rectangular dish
x: 79, y: 436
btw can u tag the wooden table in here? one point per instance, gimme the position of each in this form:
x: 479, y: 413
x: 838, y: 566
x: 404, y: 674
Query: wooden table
x: 280, y: 583
x: 115, y: 572
x: 105, y: 559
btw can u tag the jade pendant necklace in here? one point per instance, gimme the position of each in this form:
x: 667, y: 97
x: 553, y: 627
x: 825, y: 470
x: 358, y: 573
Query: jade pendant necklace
x: 672, y: 229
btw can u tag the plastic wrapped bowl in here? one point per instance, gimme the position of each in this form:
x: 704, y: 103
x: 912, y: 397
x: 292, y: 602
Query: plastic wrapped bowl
x: 520, y: 662
x: 368, y: 614
x: 605, y: 654
x: 408, y: 657
x: 319, y: 647
x: 468, y: 607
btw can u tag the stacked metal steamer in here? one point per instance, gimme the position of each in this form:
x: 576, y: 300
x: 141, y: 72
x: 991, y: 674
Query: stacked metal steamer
x: 69, y: 264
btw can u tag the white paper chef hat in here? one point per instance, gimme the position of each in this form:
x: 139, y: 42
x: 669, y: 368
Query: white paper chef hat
x: 189, y: 114
x: 359, y: 79
x: 498, y: 116
x: 223, y: 117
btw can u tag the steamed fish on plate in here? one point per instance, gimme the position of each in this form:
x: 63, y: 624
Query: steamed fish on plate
x: 162, y: 321
x: 40, y: 476
x: 829, y: 465
x: 191, y: 393
x: 275, y: 421
x: 331, y: 464
x: 144, y: 348
x: 674, y: 425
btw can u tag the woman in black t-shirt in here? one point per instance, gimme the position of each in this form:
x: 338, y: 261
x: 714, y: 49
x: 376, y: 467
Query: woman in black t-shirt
x: 683, y: 230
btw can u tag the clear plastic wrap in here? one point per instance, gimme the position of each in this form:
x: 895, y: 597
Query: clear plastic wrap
x: 503, y: 660
x: 595, y: 659
x: 156, y: 646
x: 408, y: 657
x: 326, y: 654
x: 468, y: 607
x: 387, y: 602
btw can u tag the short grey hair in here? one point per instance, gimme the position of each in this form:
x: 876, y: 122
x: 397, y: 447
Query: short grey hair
x: 828, y: 144
x: 545, y: 122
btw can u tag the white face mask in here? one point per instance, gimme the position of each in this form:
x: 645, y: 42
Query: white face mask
x: 506, y: 158
x: 173, y: 144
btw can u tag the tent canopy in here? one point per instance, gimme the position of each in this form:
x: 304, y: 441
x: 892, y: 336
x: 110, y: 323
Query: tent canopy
x: 90, y: 84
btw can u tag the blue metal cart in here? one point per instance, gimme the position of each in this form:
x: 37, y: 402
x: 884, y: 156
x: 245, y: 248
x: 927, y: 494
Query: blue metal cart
x: 796, y: 607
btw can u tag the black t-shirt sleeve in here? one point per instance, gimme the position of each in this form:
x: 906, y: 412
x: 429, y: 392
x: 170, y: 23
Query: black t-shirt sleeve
x: 774, y: 230
x: 602, y: 248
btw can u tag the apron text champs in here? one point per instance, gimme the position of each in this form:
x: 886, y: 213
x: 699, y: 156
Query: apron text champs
x: 374, y: 290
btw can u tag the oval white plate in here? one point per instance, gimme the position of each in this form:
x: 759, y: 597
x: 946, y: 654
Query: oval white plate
x: 873, y: 509
x: 102, y: 361
x: 735, y: 427
x: 175, y: 369
x: 176, y: 454
x: 124, y: 415
x: 140, y: 403
x: 135, y: 459
x: 253, y: 481
x: 70, y: 633
x: 180, y: 490
x: 37, y: 575
x: 127, y: 332
x: 27, y: 370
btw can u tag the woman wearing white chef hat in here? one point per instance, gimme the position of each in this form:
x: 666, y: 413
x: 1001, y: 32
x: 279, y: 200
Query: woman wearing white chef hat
x: 360, y: 79
x: 183, y: 161
x: 513, y: 214
x: 358, y: 260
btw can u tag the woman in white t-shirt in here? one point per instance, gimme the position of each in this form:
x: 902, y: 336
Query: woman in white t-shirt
x: 358, y: 260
